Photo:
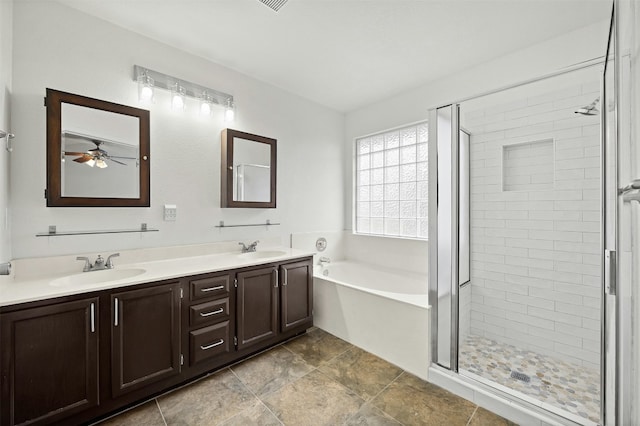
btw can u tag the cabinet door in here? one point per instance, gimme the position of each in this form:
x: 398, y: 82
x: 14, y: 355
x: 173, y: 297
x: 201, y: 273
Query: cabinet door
x: 257, y: 306
x: 49, y: 362
x: 145, y: 336
x: 297, y: 294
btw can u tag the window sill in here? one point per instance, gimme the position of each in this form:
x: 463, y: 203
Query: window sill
x: 393, y: 237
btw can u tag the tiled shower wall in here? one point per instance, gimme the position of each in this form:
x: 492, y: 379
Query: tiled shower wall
x: 535, y: 225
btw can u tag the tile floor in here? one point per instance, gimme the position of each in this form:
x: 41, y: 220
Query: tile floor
x: 315, y: 379
x: 570, y: 387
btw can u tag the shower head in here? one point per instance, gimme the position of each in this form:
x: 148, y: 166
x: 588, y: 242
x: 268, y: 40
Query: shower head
x: 589, y: 109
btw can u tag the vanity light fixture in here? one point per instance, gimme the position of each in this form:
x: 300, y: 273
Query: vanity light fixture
x: 149, y: 80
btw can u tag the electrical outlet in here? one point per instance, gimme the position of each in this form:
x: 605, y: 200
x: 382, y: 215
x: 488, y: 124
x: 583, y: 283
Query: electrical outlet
x: 170, y: 212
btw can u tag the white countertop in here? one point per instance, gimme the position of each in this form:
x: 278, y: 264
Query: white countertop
x: 32, y: 288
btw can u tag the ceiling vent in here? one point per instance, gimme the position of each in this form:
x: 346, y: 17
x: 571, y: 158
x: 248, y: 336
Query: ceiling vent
x: 274, y: 4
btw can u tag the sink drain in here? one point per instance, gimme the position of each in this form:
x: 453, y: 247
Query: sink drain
x: 520, y: 376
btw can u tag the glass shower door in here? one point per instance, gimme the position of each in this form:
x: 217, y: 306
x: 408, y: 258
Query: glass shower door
x: 518, y: 177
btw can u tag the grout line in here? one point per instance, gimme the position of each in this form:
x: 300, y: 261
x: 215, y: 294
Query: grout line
x: 255, y: 396
x: 340, y: 354
x: 269, y: 410
x: 383, y: 389
x: 295, y: 379
x: 472, y: 414
x: 351, y: 346
x: 390, y: 383
x: 161, y: 413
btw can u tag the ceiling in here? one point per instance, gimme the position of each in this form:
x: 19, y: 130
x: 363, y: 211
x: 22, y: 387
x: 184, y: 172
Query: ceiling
x: 346, y: 54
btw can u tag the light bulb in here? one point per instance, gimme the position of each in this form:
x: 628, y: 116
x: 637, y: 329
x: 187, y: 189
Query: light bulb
x: 205, y: 108
x: 177, y: 102
x: 101, y: 164
x: 90, y: 163
x: 205, y: 103
x: 229, y: 113
x: 145, y: 88
x: 177, y: 97
x: 146, y: 93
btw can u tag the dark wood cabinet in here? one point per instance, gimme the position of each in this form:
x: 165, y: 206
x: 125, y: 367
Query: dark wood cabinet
x: 49, y: 362
x: 145, y: 336
x: 77, y: 359
x: 257, y: 306
x: 296, y: 295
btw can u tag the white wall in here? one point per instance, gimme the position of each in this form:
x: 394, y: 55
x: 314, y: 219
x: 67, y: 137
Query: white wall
x: 61, y: 48
x: 396, y: 253
x: 412, y: 106
x: 6, y: 35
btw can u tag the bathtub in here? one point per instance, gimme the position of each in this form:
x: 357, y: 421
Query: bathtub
x: 383, y: 311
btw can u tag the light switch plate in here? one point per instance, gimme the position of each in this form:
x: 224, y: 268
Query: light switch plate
x: 170, y: 212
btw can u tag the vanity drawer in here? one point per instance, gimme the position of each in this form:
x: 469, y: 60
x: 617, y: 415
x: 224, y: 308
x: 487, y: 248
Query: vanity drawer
x: 210, y: 341
x: 207, y: 288
x: 209, y: 312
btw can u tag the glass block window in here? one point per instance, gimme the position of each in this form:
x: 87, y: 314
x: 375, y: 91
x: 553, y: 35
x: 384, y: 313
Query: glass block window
x: 391, y: 183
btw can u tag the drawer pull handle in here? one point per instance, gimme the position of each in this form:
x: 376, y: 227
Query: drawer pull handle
x: 218, y: 287
x: 208, y: 314
x: 213, y: 345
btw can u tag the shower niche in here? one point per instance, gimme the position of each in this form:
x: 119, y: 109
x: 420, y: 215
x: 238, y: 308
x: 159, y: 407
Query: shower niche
x: 528, y: 166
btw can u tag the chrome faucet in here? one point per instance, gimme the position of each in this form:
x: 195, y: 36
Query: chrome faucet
x: 87, y: 263
x: 109, y: 264
x: 249, y: 249
x: 99, y: 264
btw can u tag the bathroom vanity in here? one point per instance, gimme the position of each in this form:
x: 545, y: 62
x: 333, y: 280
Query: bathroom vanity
x: 75, y: 358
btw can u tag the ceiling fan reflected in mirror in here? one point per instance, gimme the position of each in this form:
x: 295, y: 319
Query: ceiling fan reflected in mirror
x: 96, y: 156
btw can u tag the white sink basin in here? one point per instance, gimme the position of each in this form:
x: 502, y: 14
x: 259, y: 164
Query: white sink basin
x: 262, y: 254
x: 97, y: 277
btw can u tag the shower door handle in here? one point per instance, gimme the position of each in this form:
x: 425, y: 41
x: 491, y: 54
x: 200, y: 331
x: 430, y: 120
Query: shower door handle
x: 610, y: 272
x: 634, y: 184
x: 630, y: 192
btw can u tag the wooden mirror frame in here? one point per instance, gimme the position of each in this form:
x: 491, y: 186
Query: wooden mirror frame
x: 226, y: 180
x: 53, y: 102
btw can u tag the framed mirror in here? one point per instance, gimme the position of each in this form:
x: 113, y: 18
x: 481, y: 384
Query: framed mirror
x: 248, y: 170
x: 97, y: 153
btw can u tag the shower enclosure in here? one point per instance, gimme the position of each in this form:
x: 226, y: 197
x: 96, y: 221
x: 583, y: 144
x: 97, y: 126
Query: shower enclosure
x: 523, y: 241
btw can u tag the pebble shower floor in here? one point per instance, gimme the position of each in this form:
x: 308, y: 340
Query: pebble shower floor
x: 570, y: 387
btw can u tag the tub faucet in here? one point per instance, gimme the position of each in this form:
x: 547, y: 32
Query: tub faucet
x: 251, y: 248
x: 323, y: 260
